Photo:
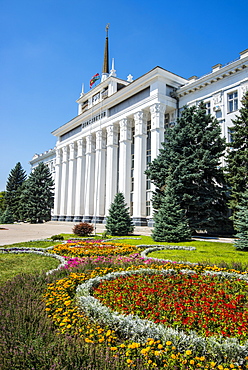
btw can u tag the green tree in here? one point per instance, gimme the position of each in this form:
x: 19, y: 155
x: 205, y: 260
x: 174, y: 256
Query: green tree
x: 3, y: 204
x: 119, y: 221
x: 37, y: 196
x: 237, y: 157
x: 14, y: 185
x: 6, y: 217
x: 191, y: 155
x: 241, y: 223
x: 170, y: 223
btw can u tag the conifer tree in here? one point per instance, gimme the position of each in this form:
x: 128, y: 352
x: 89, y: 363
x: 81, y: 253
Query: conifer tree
x: 14, y: 184
x: 37, y: 196
x: 170, y: 223
x: 119, y: 221
x: 191, y: 154
x: 237, y: 158
x: 6, y: 217
x: 3, y: 205
x: 241, y: 223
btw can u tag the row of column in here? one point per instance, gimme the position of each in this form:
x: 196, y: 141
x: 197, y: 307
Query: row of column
x: 91, y: 170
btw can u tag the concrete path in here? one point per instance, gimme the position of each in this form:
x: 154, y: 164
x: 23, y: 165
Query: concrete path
x: 24, y: 232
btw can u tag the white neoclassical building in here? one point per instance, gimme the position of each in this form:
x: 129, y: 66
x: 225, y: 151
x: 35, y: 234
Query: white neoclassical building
x: 119, y: 129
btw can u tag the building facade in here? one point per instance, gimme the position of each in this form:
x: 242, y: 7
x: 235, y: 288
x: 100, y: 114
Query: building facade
x: 119, y: 129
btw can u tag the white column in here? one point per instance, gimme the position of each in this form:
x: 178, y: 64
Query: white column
x: 111, y: 166
x: 125, y: 158
x: 139, y: 193
x: 89, y: 178
x: 64, y: 187
x: 100, y: 176
x: 71, y: 184
x: 157, y: 128
x: 80, y: 181
x: 57, y: 186
x: 157, y: 136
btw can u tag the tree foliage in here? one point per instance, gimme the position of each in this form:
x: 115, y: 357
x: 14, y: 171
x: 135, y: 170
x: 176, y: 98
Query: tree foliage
x: 119, y: 221
x: 170, y: 222
x: 237, y: 158
x: 37, y: 196
x: 241, y: 223
x: 191, y: 156
x: 3, y: 204
x: 14, y: 185
x: 6, y: 217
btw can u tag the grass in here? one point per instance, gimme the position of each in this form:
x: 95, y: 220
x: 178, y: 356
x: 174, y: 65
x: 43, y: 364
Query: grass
x: 33, y: 244
x: 15, y: 264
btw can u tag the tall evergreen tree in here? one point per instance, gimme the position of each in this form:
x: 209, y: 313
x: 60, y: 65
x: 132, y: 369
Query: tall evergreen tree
x: 241, y: 223
x: 237, y: 158
x: 119, y: 221
x: 14, y: 184
x: 3, y: 204
x: 171, y: 224
x: 191, y: 154
x: 37, y: 196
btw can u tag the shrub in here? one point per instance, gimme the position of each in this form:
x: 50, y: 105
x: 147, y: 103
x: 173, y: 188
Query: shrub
x: 83, y: 229
x: 57, y: 237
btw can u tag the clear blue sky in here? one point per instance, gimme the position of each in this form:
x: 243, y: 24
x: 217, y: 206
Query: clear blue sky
x: 48, y: 48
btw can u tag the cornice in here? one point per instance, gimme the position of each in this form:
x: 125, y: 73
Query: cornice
x: 212, y: 77
x: 38, y: 157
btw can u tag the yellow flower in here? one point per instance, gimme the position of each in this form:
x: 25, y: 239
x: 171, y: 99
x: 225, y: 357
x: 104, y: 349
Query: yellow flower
x: 113, y: 348
x: 188, y: 352
x: 220, y: 367
x: 173, y: 356
x: 129, y: 361
x: 160, y: 346
x: 168, y: 343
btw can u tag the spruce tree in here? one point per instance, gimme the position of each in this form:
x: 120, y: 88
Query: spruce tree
x: 6, y: 217
x: 3, y: 205
x: 37, y: 196
x: 14, y: 184
x: 237, y: 158
x: 119, y: 221
x: 170, y: 223
x: 241, y: 223
x: 191, y: 154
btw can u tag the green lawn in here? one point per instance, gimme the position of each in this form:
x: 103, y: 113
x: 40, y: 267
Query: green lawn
x: 14, y: 264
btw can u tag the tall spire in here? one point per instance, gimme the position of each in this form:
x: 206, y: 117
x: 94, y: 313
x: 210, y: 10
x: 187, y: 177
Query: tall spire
x: 105, y: 68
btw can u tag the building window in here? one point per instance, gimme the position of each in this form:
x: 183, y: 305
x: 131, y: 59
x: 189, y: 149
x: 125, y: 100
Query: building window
x: 132, y: 172
x: 208, y: 107
x: 148, y: 160
x: 230, y: 134
x: 232, y: 101
x: 148, y: 203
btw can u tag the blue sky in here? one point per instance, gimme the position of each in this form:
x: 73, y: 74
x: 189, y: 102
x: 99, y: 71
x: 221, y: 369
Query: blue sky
x: 48, y: 48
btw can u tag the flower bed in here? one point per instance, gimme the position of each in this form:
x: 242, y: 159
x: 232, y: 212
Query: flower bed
x: 85, y: 249
x: 150, y: 345
x: 208, y: 305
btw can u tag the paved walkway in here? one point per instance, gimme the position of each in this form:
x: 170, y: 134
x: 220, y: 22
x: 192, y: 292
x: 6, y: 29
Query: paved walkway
x: 24, y: 232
